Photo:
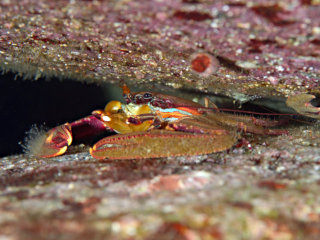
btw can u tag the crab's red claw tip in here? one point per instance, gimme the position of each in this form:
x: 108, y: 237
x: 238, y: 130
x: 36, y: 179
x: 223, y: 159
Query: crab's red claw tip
x: 55, y: 142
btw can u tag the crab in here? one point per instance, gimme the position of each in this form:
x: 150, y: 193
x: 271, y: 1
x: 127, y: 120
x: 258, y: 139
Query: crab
x: 155, y: 125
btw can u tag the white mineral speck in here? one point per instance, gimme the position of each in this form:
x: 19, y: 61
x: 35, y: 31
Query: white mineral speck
x: 280, y: 68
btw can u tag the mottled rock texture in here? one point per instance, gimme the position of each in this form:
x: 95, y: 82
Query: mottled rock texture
x: 268, y: 192
x: 264, y: 48
x: 240, y: 49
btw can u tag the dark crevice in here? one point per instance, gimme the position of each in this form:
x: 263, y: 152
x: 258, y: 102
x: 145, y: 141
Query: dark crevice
x: 315, y: 102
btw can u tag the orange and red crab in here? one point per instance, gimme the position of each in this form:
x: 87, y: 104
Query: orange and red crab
x: 153, y: 125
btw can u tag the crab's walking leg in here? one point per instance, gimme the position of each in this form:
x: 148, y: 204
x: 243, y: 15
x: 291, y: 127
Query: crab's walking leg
x: 246, y: 124
x: 161, y: 143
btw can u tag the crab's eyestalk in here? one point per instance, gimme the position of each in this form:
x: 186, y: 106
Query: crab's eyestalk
x: 127, y: 93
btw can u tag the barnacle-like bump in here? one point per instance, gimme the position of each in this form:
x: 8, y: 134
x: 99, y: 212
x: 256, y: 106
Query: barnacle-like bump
x: 204, y: 64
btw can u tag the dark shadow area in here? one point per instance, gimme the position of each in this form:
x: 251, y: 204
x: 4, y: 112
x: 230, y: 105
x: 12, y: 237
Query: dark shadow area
x: 316, y: 101
x: 24, y: 103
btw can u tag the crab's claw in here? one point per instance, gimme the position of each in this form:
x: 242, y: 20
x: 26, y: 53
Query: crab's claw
x: 55, y: 142
x: 301, y: 103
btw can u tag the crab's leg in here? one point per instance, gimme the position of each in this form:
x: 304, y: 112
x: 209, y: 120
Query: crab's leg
x: 160, y: 143
x: 251, y: 128
x: 244, y: 123
x: 256, y: 121
x: 88, y: 127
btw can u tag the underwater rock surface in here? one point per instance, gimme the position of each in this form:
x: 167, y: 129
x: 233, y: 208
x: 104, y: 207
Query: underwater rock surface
x: 240, y: 49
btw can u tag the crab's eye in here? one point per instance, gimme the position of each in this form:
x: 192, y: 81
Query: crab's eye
x: 137, y: 98
x: 147, y: 95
